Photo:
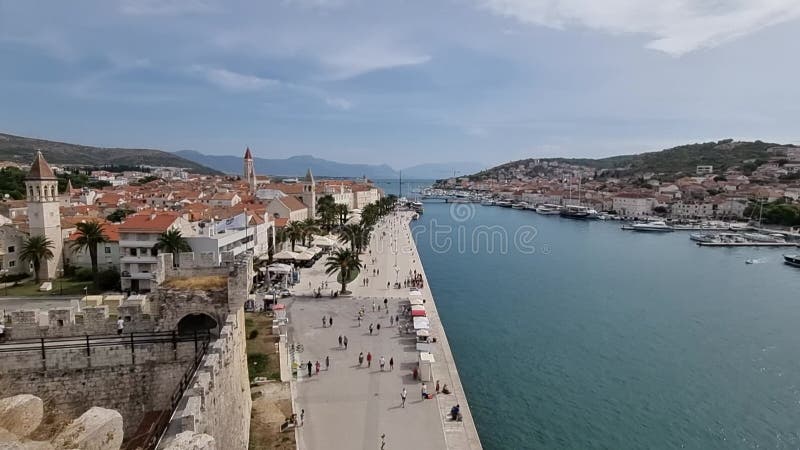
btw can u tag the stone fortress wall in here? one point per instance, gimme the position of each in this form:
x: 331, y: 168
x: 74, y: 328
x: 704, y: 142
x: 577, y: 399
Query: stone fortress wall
x: 214, y: 409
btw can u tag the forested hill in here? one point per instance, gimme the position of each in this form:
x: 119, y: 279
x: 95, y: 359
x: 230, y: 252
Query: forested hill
x: 682, y: 159
x: 22, y: 150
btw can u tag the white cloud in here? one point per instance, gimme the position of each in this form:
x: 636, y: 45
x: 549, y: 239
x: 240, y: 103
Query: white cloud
x: 676, y: 26
x: 476, y: 131
x: 339, y: 103
x: 354, y: 61
x: 233, y: 81
x: 167, y: 7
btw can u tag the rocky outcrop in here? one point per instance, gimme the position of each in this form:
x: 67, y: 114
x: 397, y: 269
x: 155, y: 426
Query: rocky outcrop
x: 96, y: 429
x: 21, y: 414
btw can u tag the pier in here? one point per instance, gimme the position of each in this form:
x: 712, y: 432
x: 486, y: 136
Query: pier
x: 350, y: 406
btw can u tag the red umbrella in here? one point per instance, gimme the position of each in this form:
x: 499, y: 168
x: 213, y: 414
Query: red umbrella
x: 418, y: 313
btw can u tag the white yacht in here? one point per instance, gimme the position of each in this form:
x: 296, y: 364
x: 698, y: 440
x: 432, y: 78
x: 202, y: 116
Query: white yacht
x: 548, y: 209
x: 659, y: 225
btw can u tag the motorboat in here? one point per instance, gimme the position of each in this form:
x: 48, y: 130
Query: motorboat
x: 503, y: 204
x: 575, y: 212
x: 703, y: 237
x: 519, y: 205
x: 758, y: 237
x: 547, y: 209
x: 792, y: 260
x: 656, y: 226
x: 487, y: 202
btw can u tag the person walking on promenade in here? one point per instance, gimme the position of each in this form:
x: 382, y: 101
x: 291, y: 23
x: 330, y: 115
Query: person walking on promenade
x: 424, y: 391
x: 309, y: 368
x: 328, y: 365
x: 340, y: 340
x: 386, y: 303
x: 317, y: 367
x: 391, y: 320
x: 324, y: 321
x: 383, y: 441
x: 373, y: 306
x: 403, y: 398
x: 302, y: 416
x: 370, y: 329
x: 369, y: 359
x: 120, y: 326
x: 391, y: 363
x: 437, y: 386
x: 360, y: 359
x: 379, y: 328
x: 345, y: 342
x: 383, y: 363
x: 359, y: 320
x: 330, y: 321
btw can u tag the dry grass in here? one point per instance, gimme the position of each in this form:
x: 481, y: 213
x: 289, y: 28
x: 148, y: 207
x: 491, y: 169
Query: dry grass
x: 203, y: 282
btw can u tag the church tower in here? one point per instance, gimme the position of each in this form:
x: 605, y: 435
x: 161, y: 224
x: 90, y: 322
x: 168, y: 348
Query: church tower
x: 249, y: 171
x: 44, y: 218
x: 310, y: 194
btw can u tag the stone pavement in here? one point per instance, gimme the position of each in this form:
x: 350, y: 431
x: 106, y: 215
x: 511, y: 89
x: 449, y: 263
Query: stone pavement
x: 350, y: 407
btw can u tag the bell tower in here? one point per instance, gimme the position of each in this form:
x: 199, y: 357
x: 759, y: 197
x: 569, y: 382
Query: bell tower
x: 249, y: 174
x: 44, y: 218
x: 310, y: 194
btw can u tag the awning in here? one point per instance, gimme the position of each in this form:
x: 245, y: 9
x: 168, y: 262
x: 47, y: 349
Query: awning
x: 305, y: 256
x: 322, y: 241
x: 415, y: 293
x: 278, y: 306
x: 417, y: 313
x: 286, y: 254
x: 421, y: 323
x: 416, y: 301
x: 423, y: 333
x: 279, y: 268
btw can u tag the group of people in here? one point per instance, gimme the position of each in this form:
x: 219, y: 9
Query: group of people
x: 317, y: 366
x: 414, y: 280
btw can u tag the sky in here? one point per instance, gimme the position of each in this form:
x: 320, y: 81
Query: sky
x: 401, y: 82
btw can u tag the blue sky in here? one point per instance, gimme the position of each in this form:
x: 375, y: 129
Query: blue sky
x: 401, y: 81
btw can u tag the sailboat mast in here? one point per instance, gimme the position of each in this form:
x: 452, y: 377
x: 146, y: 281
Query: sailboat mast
x: 401, y: 184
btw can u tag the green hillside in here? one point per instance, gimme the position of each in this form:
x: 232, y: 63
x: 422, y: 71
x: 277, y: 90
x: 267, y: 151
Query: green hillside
x: 22, y: 150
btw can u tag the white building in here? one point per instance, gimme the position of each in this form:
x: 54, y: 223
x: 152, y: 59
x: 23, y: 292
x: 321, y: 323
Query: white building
x: 138, y: 236
x: 107, y: 252
x: 236, y: 235
x: 704, y: 170
x: 633, y: 205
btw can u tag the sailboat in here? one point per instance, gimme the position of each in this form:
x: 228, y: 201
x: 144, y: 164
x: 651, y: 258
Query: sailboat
x: 575, y: 211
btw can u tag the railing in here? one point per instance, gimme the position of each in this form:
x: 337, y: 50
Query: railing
x: 161, y: 426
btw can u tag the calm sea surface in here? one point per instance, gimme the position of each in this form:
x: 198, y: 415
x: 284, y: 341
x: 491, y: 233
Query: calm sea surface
x: 587, y: 336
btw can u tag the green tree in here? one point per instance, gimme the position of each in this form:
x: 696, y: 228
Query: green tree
x: 343, y: 213
x: 172, y: 241
x: 294, y: 232
x: 310, y: 228
x: 357, y: 235
x: 90, y: 234
x: 326, y: 210
x: 119, y: 215
x: 343, y: 262
x: 35, y: 250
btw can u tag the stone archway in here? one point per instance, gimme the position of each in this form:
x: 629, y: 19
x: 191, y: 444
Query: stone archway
x: 198, y: 322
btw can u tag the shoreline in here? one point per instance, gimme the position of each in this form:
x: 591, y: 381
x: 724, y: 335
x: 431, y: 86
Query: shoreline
x: 458, y: 435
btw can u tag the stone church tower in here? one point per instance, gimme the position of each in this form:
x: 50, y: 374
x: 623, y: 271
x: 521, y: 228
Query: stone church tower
x: 310, y: 194
x: 44, y: 218
x: 249, y: 174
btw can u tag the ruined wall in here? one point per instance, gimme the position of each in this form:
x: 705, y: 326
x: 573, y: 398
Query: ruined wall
x: 218, y: 402
x: 133, y: 390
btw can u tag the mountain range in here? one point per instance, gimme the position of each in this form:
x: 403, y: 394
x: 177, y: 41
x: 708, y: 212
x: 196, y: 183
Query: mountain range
x: 296, y: 166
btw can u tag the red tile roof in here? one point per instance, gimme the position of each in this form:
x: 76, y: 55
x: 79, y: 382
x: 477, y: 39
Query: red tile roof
x: 111, y: 231
x: 247, y: 154
x: 40, y: 170
x: 292, y: 203
x: 149, y: 223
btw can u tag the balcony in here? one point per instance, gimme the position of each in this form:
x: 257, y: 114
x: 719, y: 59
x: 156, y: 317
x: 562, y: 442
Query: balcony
x: 143, y: 259
x: 138, y: 275
x: 130, y: 243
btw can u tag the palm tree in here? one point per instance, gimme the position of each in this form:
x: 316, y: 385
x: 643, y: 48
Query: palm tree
x: 357, y: 235
x: 344, y: 262
x: 343, y: 212
x: 173, y: 242
x: 294, y: 232
x: 90, y: 234
x: 35, y: 250
x: 310, y: 228
x: 326, y: 210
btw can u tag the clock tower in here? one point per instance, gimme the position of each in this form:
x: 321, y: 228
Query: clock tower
x: 44, y: 218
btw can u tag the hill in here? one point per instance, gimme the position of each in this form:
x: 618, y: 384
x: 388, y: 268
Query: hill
x: 295, y: 166
x: 22, y: 150
x: 684, y: 159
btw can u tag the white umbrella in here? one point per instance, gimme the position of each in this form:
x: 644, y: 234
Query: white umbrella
x: 286, y: 254
x: 417, y: 308
x: 322, y: 241
x: 415, y: 293
x: 416, y: 301
x: 305, y: 256
x: 421, y: 323
x: 423, y: 333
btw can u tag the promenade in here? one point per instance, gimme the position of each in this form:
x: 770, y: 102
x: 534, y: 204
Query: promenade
x: 349, y: 406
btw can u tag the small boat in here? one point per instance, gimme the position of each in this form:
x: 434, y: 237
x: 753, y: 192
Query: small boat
x: 657, y: 226
x: 750, y: 261
x: 792, y: 260
x: 503, y: 204
x: 519, y: 205
x: 547, y: 209
x: 702, y: 237
x: 575, y: 212
x: 487, y: 202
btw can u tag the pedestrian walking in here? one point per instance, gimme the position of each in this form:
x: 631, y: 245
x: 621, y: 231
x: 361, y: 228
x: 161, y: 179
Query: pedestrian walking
x: 360, y: 359
x: 330, y: 321
x: 403, y: 398
x: 120, y: 326
x: 323, y: 321
x: 424, y: 391
x: 391, y: 320
x: 328, y: 365
x: 383, y: 441
x: 302, y: 416
x: 388, y: 284
x: 317, y: 367
x: 340, y: 340
x: 383, y: 363
x: 309, y: 368
x: 437, y: 386
x: 386, y: 303
x: 373, y: 306
x: 379, y: 328
x: 397, y: 318
x: 359, y: 320
x: 369, y: 359
x: 345, y: 342
x: 370, y: 329
x: 391, y: 363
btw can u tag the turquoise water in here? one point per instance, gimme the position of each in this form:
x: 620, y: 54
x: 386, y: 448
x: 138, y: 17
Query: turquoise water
x: 588, y: 336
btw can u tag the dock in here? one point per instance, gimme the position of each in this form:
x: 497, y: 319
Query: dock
x: 747, y: 244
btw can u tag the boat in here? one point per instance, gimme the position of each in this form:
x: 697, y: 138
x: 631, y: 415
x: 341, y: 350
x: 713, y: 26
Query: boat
x: 487, y: 202
x: 548, y: 209
x: 758, y: 237
x: 503, y: 204
x: 702, y: 237
x: 750, y: 261
x: 519, y: 205
x: 792, y: 260
x: 575, y: 212
x: 657, y: 226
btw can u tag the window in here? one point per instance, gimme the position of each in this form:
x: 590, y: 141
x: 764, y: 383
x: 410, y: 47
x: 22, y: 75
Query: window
x: 12, y: 263
x: 11, y: 249
x: 108, y: 250
x: 133, y: 252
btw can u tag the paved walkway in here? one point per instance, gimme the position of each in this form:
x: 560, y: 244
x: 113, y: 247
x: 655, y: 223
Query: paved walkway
x: 350, y: 406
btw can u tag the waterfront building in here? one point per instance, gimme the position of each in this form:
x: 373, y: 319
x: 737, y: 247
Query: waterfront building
x: 44, y: 218
x: 633, y: 204
x: 693, y: 210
